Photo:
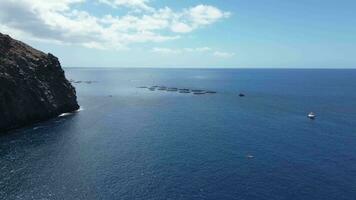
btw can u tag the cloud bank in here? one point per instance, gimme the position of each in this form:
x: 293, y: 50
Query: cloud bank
x: 220, y: 54
x: 223, y: 54
x: 62, y: 22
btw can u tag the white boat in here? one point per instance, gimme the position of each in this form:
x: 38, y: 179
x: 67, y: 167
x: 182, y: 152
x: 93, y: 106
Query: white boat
x: 311, y: 115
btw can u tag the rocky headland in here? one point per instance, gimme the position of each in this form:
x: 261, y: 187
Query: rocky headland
x: 33, y: 86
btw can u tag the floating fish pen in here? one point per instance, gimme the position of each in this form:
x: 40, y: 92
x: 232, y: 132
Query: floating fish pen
x: 181, y: 90
x: 184, y: 91
x: 172, y: 89
x: 199, y: 91
x: 162, y: 88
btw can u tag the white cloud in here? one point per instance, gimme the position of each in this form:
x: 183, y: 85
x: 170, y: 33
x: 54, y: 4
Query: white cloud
x: 222, y: 54
x: 210, y: 51
x: 59, y: 22
x: 205, y: 14
x: 196, y: 17
x: 166, y: 50
x: 180, y: 27
x: 135, y: 4
x: 199, y: 49
x: 182, y: 50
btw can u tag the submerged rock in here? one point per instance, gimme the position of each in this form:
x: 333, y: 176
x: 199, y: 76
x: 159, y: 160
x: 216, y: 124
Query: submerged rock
x: 33, y: 86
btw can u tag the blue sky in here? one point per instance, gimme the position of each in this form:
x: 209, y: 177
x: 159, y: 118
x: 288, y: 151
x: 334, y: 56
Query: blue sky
x: 194, y: 33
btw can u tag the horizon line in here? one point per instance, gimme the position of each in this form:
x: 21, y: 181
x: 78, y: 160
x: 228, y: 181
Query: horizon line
x: 222, y: 68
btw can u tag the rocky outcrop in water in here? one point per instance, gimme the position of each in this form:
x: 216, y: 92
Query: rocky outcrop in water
x: 33, y: 86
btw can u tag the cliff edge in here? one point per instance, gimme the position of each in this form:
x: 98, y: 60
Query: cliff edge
x: 33, y: 86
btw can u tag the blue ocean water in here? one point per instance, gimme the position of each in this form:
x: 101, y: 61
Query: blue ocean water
x: 131, y: 143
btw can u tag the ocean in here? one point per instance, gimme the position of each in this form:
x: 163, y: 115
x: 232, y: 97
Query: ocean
x: 132, y: 143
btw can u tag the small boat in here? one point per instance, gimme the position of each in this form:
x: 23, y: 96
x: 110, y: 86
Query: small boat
x: 142, y: 87
x: 152, y: 89
x: 211, y: 92
x: 311, y: 115
x: 241, y: 95
x: 249, y: 156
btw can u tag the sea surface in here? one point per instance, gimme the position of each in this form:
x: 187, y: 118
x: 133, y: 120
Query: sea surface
x: 133, y: 143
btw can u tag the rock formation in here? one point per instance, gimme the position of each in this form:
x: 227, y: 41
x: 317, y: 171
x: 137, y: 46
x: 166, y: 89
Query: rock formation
x: 33, y: 86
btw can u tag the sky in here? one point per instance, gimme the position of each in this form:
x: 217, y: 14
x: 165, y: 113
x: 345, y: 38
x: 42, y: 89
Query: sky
x: 187, y: 33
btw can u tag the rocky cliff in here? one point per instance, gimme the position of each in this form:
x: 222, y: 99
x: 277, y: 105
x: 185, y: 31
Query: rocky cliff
x: 33, y: 86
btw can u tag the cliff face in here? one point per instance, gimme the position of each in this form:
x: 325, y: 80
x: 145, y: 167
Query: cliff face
x: 32, y: 85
